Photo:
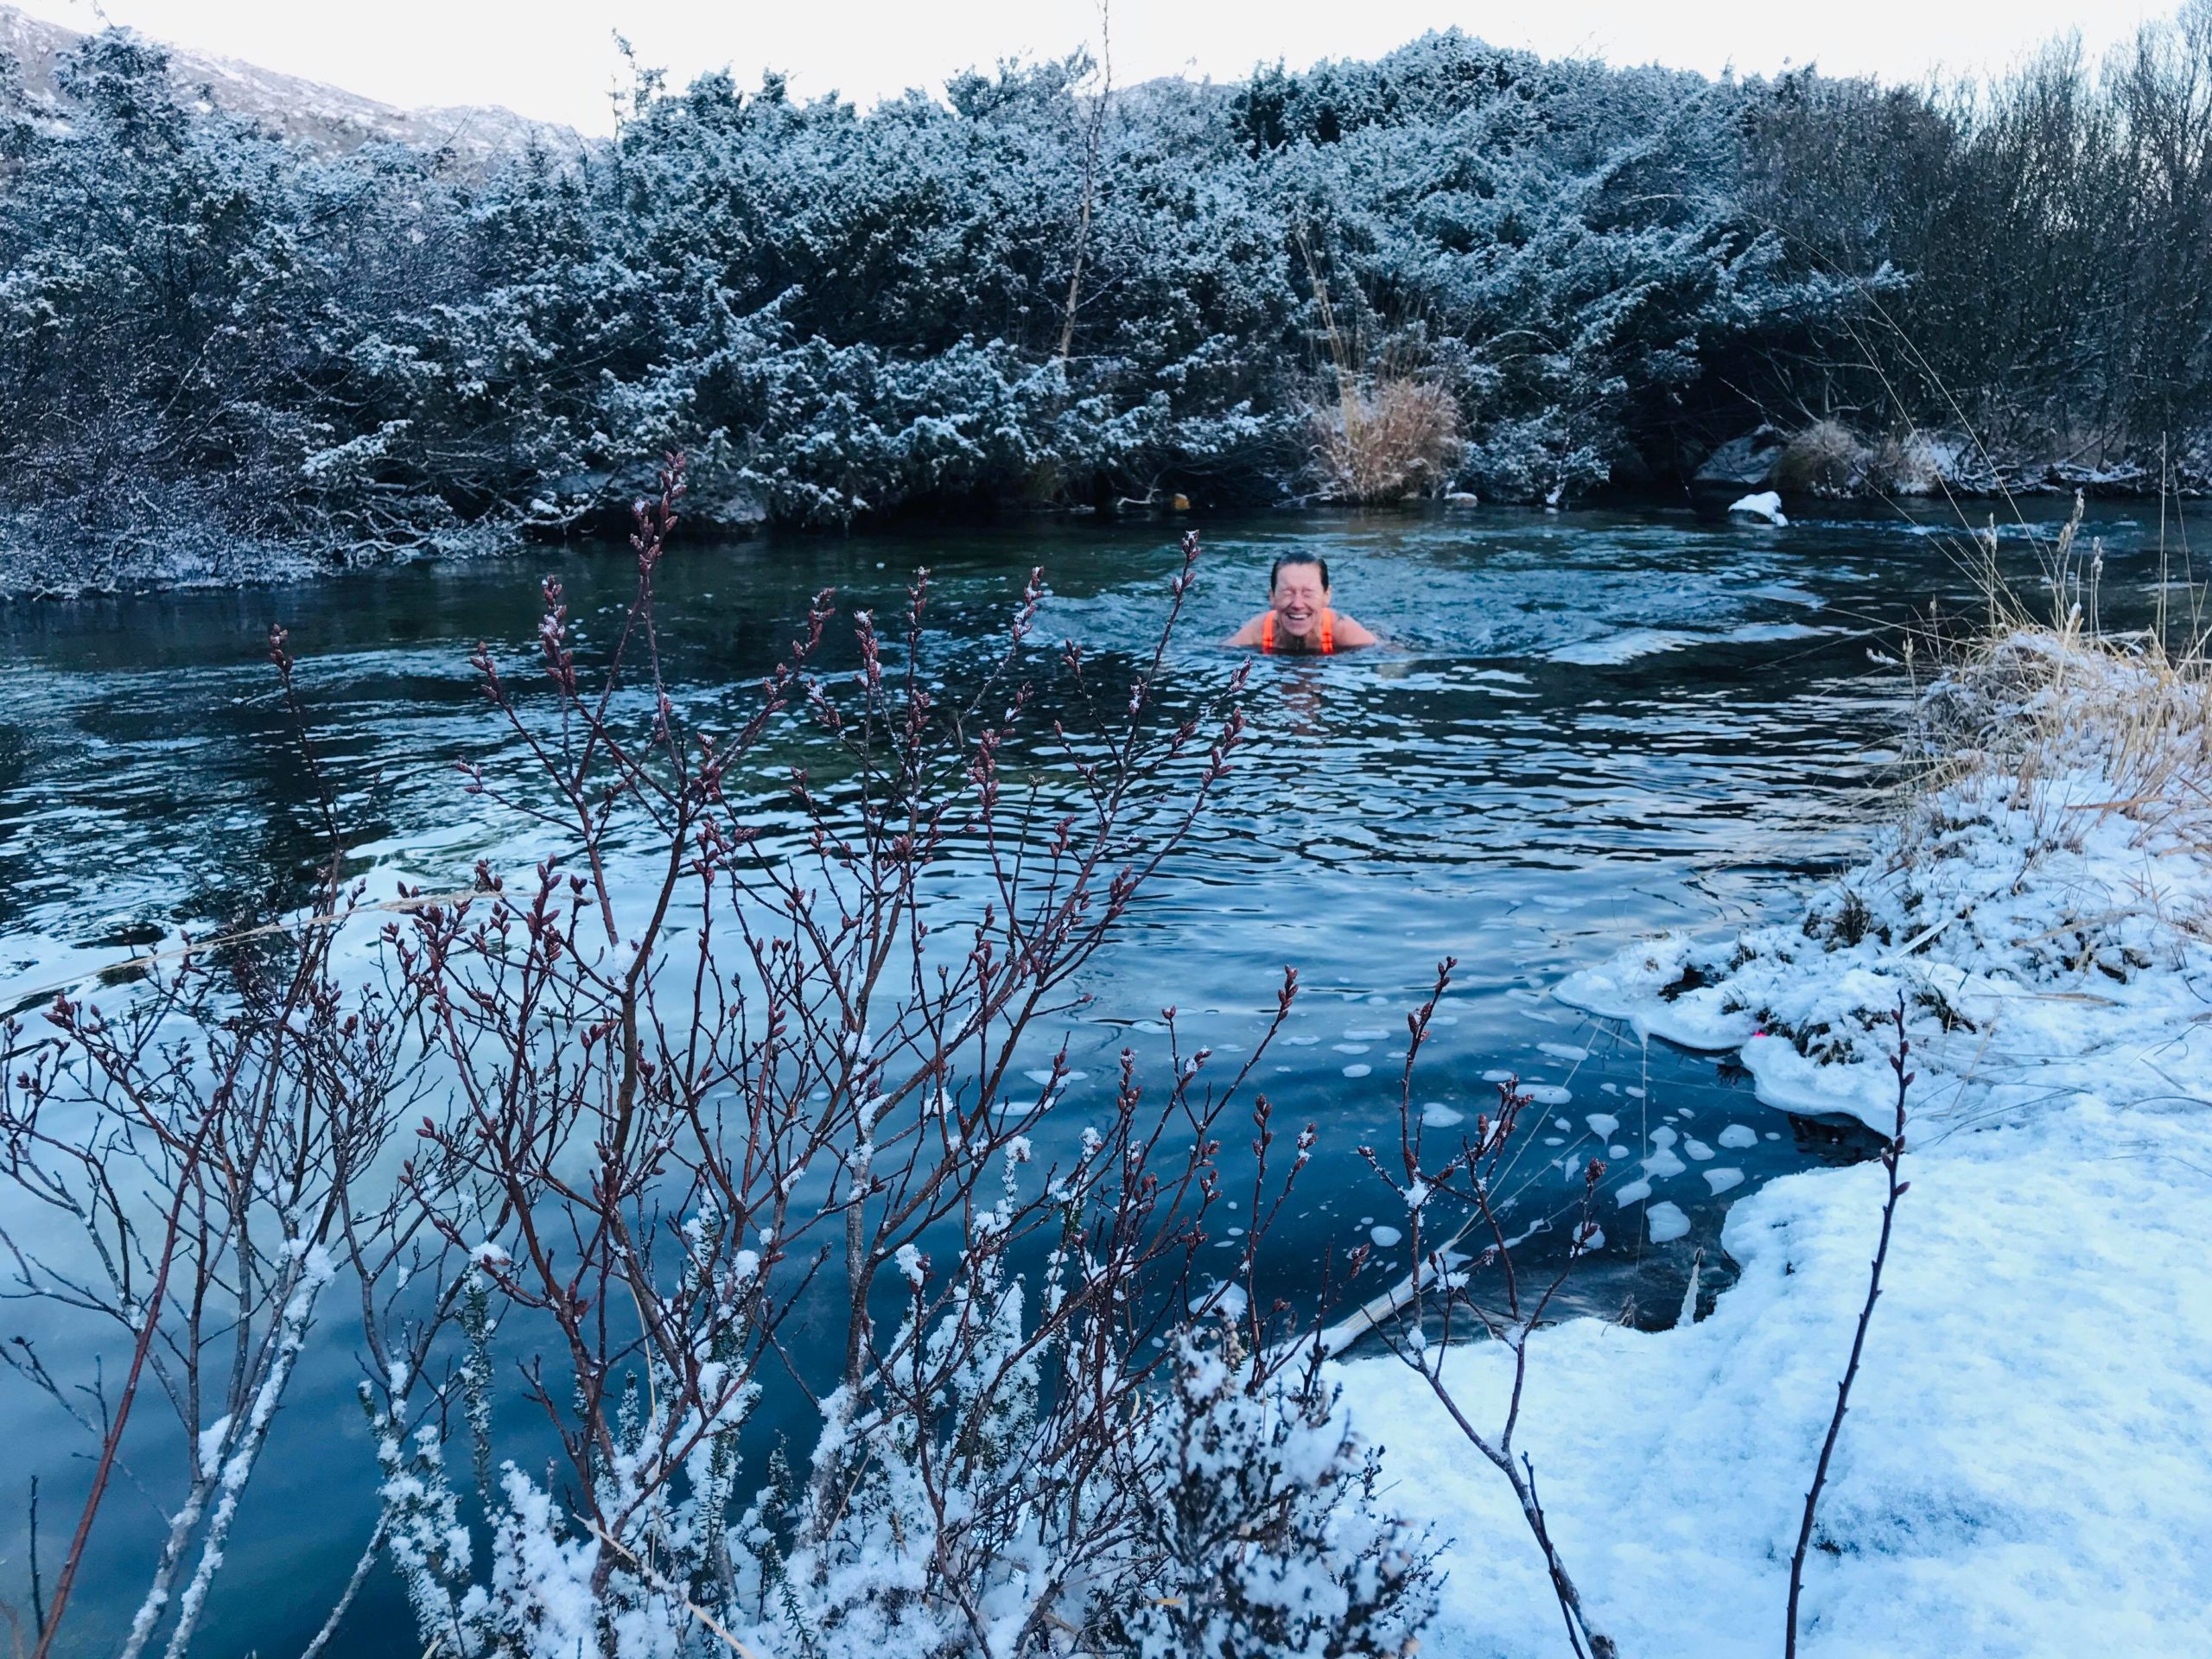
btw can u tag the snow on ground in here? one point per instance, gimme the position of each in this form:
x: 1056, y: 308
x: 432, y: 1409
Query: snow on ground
x: 2027, y: 1466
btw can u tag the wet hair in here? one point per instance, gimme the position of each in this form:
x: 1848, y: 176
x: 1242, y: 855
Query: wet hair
x: 1321, y: 564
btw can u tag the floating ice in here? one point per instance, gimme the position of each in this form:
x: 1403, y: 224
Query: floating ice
x: 1386, y: 1237
x: 1358, y: 1069
x: 1498, y: 1076
x: 1616, y: 1151
x: 1602, y: 1124
x: 1663, y: 1137
x: 1721, y: 1179
x: 1737, y: 1136
x: 1349, y: 1048
x: 1438, y: 1115
x: 1662, y: 1163
x: 1567, y: 1052
x: 1668, y: 1223
x: 1366, y: 1034
x: 1547, y: 1093
x: 1634, y: 1192
x: 1698, y: 1150
x: 1554, y: 1140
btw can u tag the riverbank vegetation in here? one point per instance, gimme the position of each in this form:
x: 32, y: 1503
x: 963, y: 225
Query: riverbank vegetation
x: 1538, y: 279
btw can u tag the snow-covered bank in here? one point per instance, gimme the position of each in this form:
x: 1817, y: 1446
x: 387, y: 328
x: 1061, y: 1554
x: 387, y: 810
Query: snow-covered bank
x: 2027, y: 1466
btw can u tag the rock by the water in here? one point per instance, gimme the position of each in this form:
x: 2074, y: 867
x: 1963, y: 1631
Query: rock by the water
x: 1748, y: 461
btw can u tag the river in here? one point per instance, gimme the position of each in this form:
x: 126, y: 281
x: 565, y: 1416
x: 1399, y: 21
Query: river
x: 1582, y: 726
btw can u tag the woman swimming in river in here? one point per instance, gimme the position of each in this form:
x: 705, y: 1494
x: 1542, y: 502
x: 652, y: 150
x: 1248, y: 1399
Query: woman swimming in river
x: 1297, y: 619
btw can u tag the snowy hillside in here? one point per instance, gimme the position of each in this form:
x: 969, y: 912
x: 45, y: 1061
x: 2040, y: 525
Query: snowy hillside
x: 324, y: 115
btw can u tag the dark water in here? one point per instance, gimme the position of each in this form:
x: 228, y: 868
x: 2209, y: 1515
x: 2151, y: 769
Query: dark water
x: 1585, y: 727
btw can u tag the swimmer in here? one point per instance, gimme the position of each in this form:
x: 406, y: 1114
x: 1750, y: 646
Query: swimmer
x: 1297, y: 619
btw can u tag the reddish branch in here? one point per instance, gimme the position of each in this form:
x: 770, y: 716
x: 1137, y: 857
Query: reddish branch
x: 1892, y: 1156
x: 1442, y: 1282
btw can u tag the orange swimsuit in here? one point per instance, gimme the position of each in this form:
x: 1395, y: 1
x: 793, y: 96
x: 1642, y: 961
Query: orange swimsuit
x: 1328, y: 632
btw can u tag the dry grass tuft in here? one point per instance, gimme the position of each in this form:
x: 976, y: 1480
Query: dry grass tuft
x: 1386, y: 440
x: 1826, y: 458
x: 2045, y: 692
x: 1907, y: 466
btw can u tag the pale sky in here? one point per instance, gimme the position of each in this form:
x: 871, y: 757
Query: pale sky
x: 553, y: 60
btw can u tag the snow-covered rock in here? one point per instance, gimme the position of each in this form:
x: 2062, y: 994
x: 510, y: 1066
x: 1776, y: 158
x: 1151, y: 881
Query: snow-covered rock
x: 1765, y: 505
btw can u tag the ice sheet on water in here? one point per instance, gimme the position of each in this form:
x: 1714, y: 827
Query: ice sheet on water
x: 1721, y: 1179
x: 1384, y: 1235
x: 1633, y: 1192
x: 1737, y: 1136
x: 1571, y: 1053
x: 1358, y: 1069
x: 1438, y: 1115
x: 1698, y: 1150
x: 1668, y: 1223
x: 1602, y: 1124
x: 1547, y: 1093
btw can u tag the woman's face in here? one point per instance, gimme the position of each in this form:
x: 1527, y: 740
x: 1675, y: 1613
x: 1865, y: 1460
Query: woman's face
x: 1299, y: 600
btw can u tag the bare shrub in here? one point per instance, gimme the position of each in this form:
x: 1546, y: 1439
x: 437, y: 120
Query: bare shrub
x: 196, y: 1173
x: 1451, y: 1197
x: 745, y: 1106
x: 771, y: 1129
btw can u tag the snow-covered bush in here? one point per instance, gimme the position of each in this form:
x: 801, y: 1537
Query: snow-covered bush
x: 1261, y: 1534
x: 1591, y: 275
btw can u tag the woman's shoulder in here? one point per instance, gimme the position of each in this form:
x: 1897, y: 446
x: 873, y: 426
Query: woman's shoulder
x: 1349, y: 632
x: 1250, y: 633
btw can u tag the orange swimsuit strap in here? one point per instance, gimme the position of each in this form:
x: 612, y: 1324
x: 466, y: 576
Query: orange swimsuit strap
x: 1328, y: 633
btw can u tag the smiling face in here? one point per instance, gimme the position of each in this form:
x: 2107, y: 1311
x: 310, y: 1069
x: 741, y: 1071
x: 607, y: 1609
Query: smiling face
x: 1298, y: 597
